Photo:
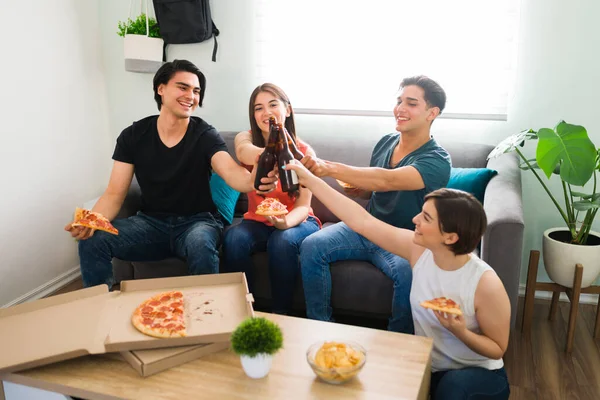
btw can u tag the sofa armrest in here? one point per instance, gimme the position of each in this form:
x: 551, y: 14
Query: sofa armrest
x: 502, y: 243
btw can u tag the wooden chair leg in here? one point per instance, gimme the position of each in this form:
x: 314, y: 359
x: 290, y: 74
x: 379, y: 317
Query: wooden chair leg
x: 597, y: 325
x: 534, y: 258
x: 576, y: 292
x: 553, y: 305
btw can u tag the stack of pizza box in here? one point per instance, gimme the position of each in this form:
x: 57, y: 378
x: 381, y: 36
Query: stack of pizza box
x: 96, y: 321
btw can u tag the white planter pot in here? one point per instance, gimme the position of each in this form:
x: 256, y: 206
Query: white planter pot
x: 258, y: 366
x: 142, y: 53
x: 560, y: 259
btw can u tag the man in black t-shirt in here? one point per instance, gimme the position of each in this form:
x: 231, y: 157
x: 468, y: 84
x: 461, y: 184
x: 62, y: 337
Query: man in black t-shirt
x: 172, y: 156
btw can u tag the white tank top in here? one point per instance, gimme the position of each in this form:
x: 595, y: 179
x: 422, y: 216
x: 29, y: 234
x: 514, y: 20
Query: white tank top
x: 430, y: 281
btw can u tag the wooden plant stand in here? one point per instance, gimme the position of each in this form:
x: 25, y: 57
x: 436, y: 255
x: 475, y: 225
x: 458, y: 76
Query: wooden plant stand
x: 572, y: 293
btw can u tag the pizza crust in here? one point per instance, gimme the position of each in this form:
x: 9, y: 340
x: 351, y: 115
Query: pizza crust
x: 271, y: 213
x: 345, y: 185
x: 432, y: 306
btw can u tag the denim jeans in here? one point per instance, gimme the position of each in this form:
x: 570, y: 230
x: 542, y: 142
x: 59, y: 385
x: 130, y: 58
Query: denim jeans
x: 337, y: 243
x: 471, y: 383
x: 141, y: 237
x: 283, y: 246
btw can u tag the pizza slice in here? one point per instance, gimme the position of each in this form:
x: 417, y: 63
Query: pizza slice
x: 345, y: 185
x: 271, y: 206
x: 94, y: 220
x: 161, y: 316
x: 443, y: 304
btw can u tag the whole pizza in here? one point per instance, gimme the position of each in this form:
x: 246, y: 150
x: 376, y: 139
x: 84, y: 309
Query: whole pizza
x: 161, y: 316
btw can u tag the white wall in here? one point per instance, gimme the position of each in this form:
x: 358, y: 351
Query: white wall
x: 55, y: 146
x: 558, y: 77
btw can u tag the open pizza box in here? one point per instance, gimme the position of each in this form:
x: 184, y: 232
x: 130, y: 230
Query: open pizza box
x: 96, y: 321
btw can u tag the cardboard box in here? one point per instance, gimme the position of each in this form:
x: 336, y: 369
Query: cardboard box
x: 150, y: 362
x: 95, y: 321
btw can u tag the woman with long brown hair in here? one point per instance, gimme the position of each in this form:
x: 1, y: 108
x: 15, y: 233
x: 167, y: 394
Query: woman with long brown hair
x: 280, y: 236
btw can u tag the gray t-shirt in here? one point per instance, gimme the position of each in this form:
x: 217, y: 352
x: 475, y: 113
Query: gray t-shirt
x: 398, y: 208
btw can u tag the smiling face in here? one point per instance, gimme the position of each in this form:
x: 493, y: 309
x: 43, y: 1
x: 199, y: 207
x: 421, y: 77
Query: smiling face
x: 427, y: 229
x: 267, y: 104
x: 180, y: 96
x: 412, y: 112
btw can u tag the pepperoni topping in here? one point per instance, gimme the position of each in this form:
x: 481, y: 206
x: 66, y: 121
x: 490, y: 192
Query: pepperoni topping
x: 178, y: 311
x: 155, y: 303
x: 165, y: 298
x: 179, y: 328
x: 164, y: 308
x: 161, y: 315
x: 147, y: 321
x: 176, y: 304
x: 177, y: 295
x: 147, y: 309
x: 170, y: 326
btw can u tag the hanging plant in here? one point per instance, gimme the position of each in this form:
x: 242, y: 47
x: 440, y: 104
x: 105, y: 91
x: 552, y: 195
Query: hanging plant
x: 138, y: 27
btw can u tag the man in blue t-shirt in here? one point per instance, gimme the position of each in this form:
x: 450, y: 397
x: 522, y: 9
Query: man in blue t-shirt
x: 404, y: 167
x: 172, y: 155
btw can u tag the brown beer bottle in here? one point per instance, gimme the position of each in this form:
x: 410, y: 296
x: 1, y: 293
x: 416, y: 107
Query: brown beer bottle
x: 287, y: 178
x: 298, y: 155
x: 268, y: 158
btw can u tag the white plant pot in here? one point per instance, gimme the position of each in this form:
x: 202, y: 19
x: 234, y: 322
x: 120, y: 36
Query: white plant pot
x: 560, y: 259
x: 142, y: 53
x: 258, y: 366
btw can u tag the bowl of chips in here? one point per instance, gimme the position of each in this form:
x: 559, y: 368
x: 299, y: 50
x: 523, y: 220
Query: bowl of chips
x: 336, y: 361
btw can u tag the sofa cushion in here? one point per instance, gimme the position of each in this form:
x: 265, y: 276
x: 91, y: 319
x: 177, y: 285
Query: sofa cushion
x: 471, y: 180
x: 224, y: 197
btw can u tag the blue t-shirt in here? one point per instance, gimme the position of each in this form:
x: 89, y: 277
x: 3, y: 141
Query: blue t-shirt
x: 398, y: 208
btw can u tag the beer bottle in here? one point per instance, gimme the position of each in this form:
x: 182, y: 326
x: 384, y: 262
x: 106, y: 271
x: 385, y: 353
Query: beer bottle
x: 298, y: 155
x: 287, y: 178
x: 268, y: 158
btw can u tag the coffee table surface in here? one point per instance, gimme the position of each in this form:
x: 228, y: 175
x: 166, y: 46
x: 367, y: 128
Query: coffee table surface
x: 398, y: 366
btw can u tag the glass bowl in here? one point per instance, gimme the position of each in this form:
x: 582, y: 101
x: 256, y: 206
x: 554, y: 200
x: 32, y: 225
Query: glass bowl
x: 336, y: 361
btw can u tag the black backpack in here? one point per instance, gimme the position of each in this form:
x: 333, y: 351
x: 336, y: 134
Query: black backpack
x: 185, y: 21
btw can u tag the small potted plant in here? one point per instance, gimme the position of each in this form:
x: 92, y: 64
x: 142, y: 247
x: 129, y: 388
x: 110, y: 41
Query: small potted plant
x: 256, y: 340
x: 142, y: 44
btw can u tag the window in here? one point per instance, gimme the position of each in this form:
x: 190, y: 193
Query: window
x: 348, y: 57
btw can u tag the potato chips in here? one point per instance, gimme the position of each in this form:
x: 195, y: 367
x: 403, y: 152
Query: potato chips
x: 337, y: 362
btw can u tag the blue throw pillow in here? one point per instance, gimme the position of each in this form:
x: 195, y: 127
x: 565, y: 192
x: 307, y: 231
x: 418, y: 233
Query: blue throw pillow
x: 224, y: 196
x: 472, y: 180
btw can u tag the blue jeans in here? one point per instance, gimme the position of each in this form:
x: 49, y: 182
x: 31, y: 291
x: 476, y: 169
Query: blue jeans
x: 141, y: 237
x: 470, y: 383
x: 337, y: 243
x: 283, y: 246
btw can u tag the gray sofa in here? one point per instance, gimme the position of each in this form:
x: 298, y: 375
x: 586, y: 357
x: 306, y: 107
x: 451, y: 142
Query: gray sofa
x: 359, y: 289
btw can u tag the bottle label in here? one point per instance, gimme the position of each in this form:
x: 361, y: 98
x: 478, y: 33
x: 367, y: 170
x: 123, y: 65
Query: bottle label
x: 294, y: 177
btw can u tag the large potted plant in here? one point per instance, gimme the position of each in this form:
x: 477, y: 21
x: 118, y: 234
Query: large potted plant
x: 142, y: 44
x: 255, y: 340
x: 568, y: 152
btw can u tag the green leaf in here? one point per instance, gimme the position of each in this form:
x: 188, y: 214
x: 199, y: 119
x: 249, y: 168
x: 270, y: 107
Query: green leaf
x: 511, y: 142
x: 256, y: 335
x: 570, y: 147
x: 585, y: 205
x: 138, y: 27
x: 584, y: 196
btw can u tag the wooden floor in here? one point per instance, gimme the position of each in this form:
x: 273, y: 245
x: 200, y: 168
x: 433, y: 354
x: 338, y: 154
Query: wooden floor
x: 539, y: 368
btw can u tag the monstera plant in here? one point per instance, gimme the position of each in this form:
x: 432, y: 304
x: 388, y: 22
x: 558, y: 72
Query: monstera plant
x: 566, y: 151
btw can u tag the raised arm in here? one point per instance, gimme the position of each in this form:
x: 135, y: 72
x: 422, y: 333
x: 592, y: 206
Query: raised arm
x: 369, y: 179
x: 237, y: 176
x: 395, y: 240
x: 245, y: 151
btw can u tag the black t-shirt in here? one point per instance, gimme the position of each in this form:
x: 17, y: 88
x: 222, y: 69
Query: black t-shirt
x: 173, y: 181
